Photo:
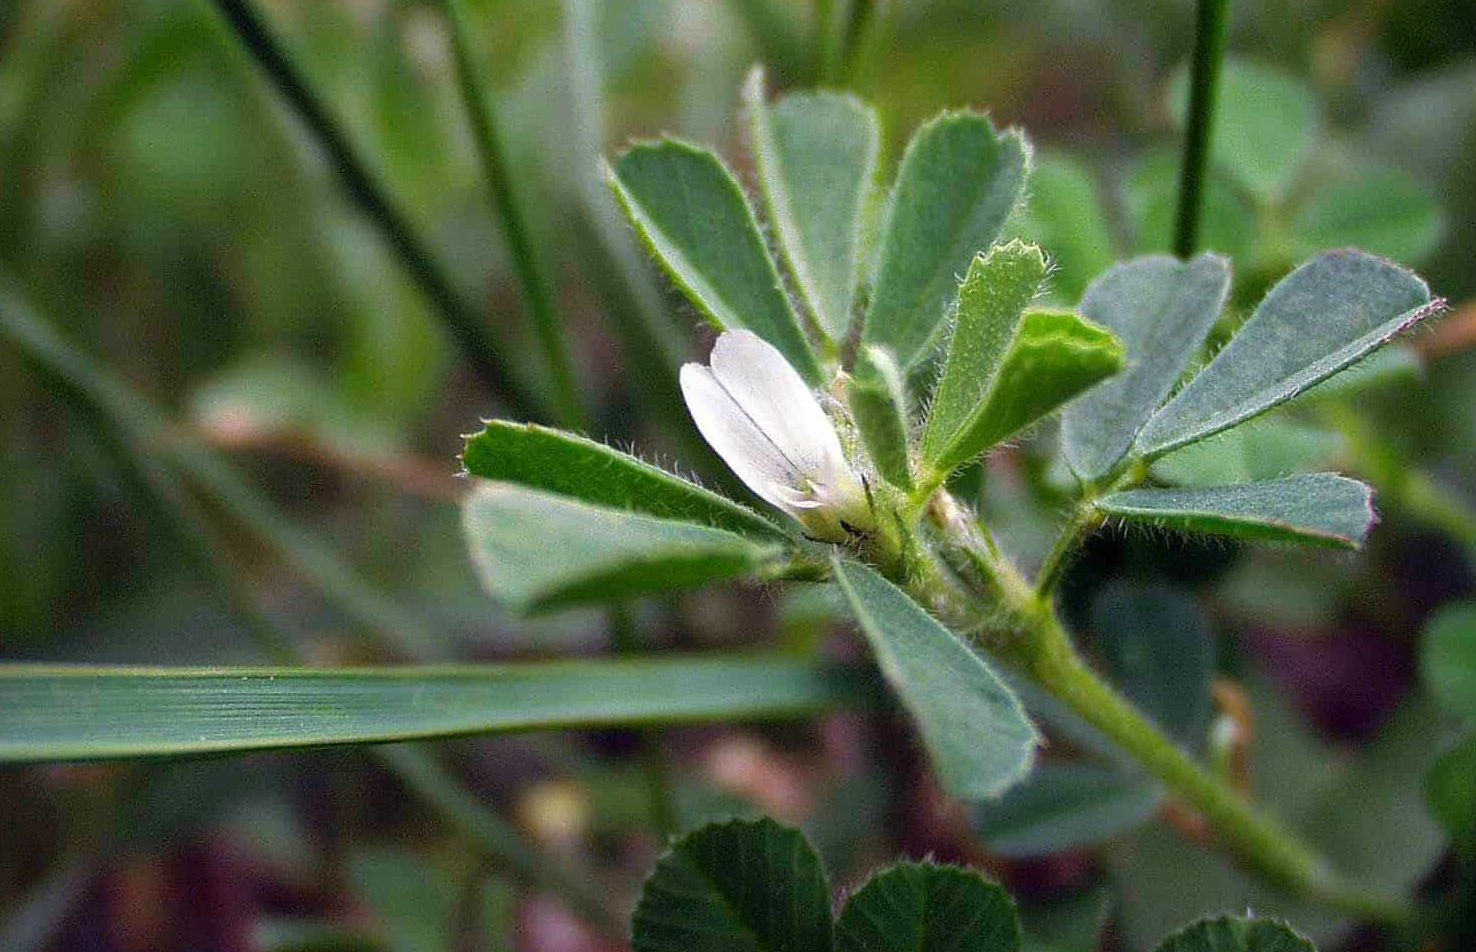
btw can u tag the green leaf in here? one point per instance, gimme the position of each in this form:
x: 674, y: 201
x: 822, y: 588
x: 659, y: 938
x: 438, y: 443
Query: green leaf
x: 1315, y: 508
x: 541, y: 458
x: 1383, y: 211
x: 816, y: 154
x: 1157, y: 648
x: 53, y: 712
x: 535, y: 552
x: 1264, y: 125
x: 1448, y: 659
x: 1151, y: 199
x: 1162, y: 310
x: 877, y: 395
x: 978, y: 735
x: 958, y: 182
x: 991, y: 302
x: 744, y: 886
x: 1065, y: 806
x: 1450, y: 790
x: 1263, y: 449
x: 1388, y: 365
x: 1322, y: 317
x: 693, y: 216
x: 924, y: 907
x: 1236, y: 934
x: 1064, y: 214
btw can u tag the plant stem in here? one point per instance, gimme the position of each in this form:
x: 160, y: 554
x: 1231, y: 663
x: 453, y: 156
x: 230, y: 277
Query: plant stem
x: 533, y: 279
x: 1083, y: 521
x: 1211, y: 27
x: 465, y: 326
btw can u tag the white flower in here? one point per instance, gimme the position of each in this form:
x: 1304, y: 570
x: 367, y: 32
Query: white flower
x: 765, y: 423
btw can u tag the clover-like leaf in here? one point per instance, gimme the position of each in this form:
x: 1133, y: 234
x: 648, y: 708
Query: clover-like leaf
x: 958, y: 183
x: 739, y: 886
x: 925, y: 907
x: 1236, y: 934
x: 1321, y: 318
x: 973, y: 725
x: 1315, y: 508
x: 535, y: 551
x: 816, y: 154
x: 693, y: 216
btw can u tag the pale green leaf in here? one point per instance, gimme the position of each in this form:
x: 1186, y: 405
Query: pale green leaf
x: 1151, y: 202
x: 877, y: 395
x: 541, y: 458
x: 535, y: 552
x: 1315, y: 508
x: 54, y: 712
x: 739, y: 886
x: 1263, y: 449
x: 1324, y: 316
x: 1448, y: 659
x: 1383, y: 211
x: 1162, y: 310
x: 693, y: 216
x: 991, y: 301
x: 978, y: 735
x: 1064, y: 214
x: 816, y: 154
x: 958, y: 183
x: 1264, y: 125
x: 1236, y: 934
x: 925, y: 907
x: 1064, y: 807
x: 1157, y: 648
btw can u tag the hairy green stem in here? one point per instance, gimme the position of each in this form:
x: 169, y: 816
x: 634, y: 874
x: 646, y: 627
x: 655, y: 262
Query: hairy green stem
x: 533, y: 278
x: 1211, y: 26
x: 466, y: 327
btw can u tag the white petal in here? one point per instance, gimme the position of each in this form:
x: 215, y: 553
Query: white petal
x: 735, y: 436
x: 775, y: 397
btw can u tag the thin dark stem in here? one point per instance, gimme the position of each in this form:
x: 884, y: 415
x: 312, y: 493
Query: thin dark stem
x: 1210, y: 31
x: 464, y: 325
x: 533, y: 279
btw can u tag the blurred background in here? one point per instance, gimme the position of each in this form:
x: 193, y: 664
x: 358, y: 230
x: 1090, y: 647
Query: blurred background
x: 169, y: 213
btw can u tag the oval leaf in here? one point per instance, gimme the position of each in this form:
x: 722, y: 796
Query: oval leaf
x: 541, y: 458
x: 1236, y: 934
x: 1383, y: 211
x: 693, y: 216
x: 745, y: 886
x: 974, y: 727
x: 1161, y: 309
x: 958, y: 182
x: 52, y: 712
x: 1064, y: 807
x: 535, y: 552
x: 924, y: 907
x: 1316, y: 508
x: 816, y: 154
x: 1322, y: 317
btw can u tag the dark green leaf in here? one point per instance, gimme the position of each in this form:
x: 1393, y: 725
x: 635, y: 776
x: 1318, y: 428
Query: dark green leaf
x: 695, y: 219
x: 535, y: 552
x: 1236, y: 934
x: 991, y: 301
x: 1448, y: 659
x: 1161, y: 309
x: 1324, y: 316
x: 93, y: 713
x: 878, y: 398
x: 1157, y: 648
x: 1263, y: 449
x: 924, y: 907
x: 740, y: 886
x: 1383, y: 211
x: 816, y: 155
x: 1064, y: 807
x: 1265, y: 122
x: 979, y: 737
x: 1450, y: 790
x: 1064, y: 215
x: 541, y: 458
x: 958, y: 182
x: 1315, y: 508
